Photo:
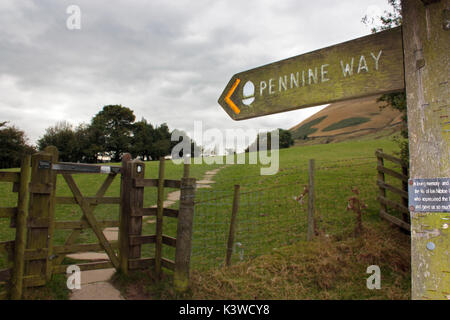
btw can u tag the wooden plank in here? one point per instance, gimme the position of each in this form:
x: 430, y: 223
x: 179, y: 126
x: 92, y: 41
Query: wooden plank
x: 393, y: 173
x: 142, y: 239
x: 141, y: 183
x: 395, y: 220
x: 167, y: 212
x: 87, y: 211
x: 82, y: 247
x: 392, y: 189
x: 5, y: 274
x: 40, y: 207
x: 159, y: 218
x: 35, y: 254
x: 124, y: 213
x: 389, y: 157
x: 89, y: 200
x: 145, y: 263
x: 21, y: 230
x: 7, y: 247
x: 61, y: 225
x: 137, y: 171
x: 169, y: 264
x: 233, y: 221
x: 41, y: 188
x: 8, y: 212
x: 9, y: 176
x: 373, y: 63
x: 34, y: 281
x: 85, y: 266
x: 393, y: 204
x: 184, y: 235
x: 169, y: 241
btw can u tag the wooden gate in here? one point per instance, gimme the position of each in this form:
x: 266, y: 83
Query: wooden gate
x: 37, y: 258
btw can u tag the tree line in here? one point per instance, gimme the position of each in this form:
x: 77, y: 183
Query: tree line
x: 111, y: 132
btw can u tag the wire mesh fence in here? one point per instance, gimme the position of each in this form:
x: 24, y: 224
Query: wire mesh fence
x: 273, y: 210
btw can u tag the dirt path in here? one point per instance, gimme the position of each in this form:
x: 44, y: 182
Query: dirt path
x: 95, y: 284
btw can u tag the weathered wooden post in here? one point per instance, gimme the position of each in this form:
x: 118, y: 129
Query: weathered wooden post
x: 41, y: 214
x: 159, y: 218
x: 381, y: 177
x: 21, y: 230
x: 232, y: 231
x: 125, y: 213
x: 184, y: 234
x: 311, y: 200
x: 136, y: 170
x: 426, y: 38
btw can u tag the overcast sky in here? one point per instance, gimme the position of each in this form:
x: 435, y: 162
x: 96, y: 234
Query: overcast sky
x: 167, y: 60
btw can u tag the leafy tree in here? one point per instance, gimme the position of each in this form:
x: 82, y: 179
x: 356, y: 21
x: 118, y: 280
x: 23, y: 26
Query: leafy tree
x: 13, y: 145
x: 396, y: 101
x: 63, y: 137
x: 113, y: 127
x: 286, y: 139
x: 143, y: 139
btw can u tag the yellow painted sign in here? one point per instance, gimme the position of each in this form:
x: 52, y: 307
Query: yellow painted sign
x: 365, y: 66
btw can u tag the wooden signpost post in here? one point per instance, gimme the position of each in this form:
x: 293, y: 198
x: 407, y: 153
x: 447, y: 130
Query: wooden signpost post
x: 414, y: 57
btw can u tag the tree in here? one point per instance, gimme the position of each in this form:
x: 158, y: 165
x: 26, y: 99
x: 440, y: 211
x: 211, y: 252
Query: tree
x: 63, y: 137
x: 143, y: 139
x: 285, y: 138
x: 113, y: 127
x: 397, y: 100
x: 13, y: 146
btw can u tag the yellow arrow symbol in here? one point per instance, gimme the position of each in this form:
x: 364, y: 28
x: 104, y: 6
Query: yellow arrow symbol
x: 228, y: 100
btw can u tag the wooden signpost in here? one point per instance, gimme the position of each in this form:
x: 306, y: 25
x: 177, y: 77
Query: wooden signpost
x: 362, y: 67
x: 414, y: 57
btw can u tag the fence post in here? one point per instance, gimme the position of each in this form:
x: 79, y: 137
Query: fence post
x: 405, y: 188
x: 159, y: 218
x: 311, y: 200
x: 236, y: 199
x: 137, y: 171
x: 184, y: 235
x: 40, y: 215
x: 21, y: 230
x: 125, y: 213
x: 382, y: 191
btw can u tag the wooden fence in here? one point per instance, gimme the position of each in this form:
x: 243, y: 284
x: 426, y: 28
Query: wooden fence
x: 34, y: 258
x: 384, y: 200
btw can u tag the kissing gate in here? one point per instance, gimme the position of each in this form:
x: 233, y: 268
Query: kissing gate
x: 36, y: 257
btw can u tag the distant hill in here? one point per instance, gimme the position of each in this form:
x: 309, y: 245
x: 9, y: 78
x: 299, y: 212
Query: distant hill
x: 348, y: 120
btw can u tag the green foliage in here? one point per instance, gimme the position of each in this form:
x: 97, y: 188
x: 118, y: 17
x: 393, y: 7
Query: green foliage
x: 306, y: 129
x: 390, y: 19
x: 264, y: 141
x: 114, y: 125
x: 286, y: 139
x: 349, y: 122
x: 396, y: 101
x: 13, y: 145
x: 63, y: 137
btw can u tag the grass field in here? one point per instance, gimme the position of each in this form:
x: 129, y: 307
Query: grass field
x: 269, y: 217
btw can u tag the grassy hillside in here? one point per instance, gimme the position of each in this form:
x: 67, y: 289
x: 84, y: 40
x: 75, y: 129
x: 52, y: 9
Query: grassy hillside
x: 347, y: 119
x: 272, y: 227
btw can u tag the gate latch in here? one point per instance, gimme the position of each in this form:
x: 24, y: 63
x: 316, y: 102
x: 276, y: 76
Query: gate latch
x: 45, y: 164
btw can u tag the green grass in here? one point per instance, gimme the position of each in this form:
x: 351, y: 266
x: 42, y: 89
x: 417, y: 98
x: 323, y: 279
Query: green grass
x: 349, y: 122
x: 267, y: 219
